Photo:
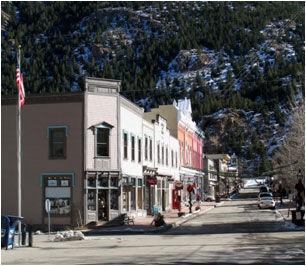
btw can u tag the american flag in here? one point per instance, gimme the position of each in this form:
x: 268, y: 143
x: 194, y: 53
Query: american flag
x: 20, y: 87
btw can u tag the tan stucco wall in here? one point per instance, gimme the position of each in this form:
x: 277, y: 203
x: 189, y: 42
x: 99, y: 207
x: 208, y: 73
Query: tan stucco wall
x: 170, y: 113
x: 35, y: 148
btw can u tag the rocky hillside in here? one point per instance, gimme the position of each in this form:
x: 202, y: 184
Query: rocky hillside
x: 224, y: 56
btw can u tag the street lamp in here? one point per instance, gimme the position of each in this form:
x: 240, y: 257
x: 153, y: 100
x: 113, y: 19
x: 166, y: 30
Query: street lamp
x: 300, y: 175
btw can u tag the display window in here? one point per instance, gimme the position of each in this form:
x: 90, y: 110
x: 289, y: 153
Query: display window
x: 58, y: 191
x: 139, y: 194
x: 133, y: 194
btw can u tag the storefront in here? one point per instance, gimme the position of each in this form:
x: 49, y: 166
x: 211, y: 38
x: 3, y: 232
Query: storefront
x: 102, y: 193
x: 150, y: 183
x: 162, y: 193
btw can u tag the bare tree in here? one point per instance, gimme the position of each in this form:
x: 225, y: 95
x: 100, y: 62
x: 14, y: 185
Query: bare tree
x: 292, y: 152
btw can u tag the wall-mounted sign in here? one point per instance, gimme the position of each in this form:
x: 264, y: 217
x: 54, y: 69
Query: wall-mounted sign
x: 170, y: 180
x: 152, y: 180
x: 127, y: 187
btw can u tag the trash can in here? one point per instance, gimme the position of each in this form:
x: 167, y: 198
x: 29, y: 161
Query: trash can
x: 297, y: 217
x: 8, y: 228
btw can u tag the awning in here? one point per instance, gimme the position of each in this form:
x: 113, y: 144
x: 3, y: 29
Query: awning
x: 148, y: 171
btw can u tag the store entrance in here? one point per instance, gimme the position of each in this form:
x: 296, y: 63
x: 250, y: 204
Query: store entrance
x: 102, y: 205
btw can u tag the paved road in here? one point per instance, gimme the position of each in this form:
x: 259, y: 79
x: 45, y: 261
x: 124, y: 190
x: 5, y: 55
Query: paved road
x: 235, y: 233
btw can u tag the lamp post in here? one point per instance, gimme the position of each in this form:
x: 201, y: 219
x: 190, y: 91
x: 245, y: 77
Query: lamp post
x: 300, y: 175
x: 300, y: 188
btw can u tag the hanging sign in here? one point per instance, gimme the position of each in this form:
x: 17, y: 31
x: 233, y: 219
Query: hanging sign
x: 152, y: 180
x: 178, y: 184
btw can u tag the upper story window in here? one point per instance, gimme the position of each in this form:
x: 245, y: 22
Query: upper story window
x: 125, y: 147
x: 133, y: 148
x: 167, y: 156
x: 102, y: 142
x: 57, y: 142
x: 158, y: 154
x: 162, y: 155
x: 146, y: 148
x: 139, y: 150
x: 151, y: 150
x: 172, y: 161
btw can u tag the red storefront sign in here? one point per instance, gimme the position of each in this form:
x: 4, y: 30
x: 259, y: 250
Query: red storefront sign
x: 151, y: 180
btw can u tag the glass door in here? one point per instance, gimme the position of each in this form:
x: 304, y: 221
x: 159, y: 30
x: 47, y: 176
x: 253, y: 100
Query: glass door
x: 102, y: 204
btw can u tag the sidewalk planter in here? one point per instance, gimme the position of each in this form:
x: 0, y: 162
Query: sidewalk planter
x: 298, y: 217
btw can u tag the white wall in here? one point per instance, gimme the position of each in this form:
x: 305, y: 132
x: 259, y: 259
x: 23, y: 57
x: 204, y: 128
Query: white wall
x: 131, y: 123
x: 148, y: 132
x: 100, y: 108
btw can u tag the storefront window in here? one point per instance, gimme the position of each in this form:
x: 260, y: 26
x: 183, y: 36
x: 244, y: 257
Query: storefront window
x: 114, y: 181
x: 139, y: 194
x: 58, y: 191
x: 103, y: 180
x: 124, y: 197
x: 133, y: 194
x: 91, y: 181
x: 159, y: 193
x: 114, y: 199
x: 91, y: 200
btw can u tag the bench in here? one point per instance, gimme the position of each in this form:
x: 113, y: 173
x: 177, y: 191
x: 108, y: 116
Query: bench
x: 128, y: 219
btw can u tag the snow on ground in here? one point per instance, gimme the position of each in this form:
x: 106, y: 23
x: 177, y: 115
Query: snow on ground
x: 68, y: 236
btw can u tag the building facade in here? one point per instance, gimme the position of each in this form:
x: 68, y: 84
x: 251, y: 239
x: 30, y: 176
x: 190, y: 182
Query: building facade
x: 190, y: 139
x: 94, y: 154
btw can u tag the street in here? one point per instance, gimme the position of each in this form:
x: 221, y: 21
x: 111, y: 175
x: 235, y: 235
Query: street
x: 236, y: 232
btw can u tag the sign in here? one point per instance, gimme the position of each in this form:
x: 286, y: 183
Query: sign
x: 170, y: 180
x: 178, y: 184
x: 151, y: 180
x: 52, y: 183
x: 127, y: 187
x: 48, y: 205
x: 64, y: 183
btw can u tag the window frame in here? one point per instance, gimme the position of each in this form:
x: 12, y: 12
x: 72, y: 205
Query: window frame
x: 139, y: 150
x: 125, y: 146
x: 51, y: 131
x: 133, y: 148
x: 108, y: 141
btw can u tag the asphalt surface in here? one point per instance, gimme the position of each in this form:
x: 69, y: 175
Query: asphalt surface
x: 237, y: 232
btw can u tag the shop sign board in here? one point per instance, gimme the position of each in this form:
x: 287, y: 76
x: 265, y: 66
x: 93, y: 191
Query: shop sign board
x: 152, y: 180
x: 127, y: 187
x: 178, y: 184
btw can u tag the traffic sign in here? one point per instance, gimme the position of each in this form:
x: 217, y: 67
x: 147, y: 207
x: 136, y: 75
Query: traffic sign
x: 48, y: 205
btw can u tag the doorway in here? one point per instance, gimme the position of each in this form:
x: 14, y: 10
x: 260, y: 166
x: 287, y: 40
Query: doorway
x: 102, y: 205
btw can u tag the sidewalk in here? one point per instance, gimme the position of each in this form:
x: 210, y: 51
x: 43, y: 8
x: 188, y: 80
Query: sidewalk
x: 144, y: 226
x: 282, y: 209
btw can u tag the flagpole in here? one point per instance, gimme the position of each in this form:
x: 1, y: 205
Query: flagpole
x: 19, y: 149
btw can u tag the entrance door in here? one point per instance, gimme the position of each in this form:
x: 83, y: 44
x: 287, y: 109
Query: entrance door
x: 163, y: 200
x: 102, y: 205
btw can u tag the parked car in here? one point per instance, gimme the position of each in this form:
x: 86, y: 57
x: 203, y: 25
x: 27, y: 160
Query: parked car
x: 264, y: 194
x: 266, y: 202
x: 263, y: 189
x: 208, y: 197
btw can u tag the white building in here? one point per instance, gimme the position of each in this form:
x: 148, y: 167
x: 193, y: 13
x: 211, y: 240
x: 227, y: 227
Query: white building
x: 131, y: 158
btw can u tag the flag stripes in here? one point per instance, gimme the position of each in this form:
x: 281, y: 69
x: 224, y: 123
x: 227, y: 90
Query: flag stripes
x: 20, y: 87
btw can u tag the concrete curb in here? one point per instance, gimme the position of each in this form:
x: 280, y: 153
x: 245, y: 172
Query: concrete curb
x: 186, y: 219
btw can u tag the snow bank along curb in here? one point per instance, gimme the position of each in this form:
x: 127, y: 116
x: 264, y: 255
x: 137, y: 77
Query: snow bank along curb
x: 68, y: 236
